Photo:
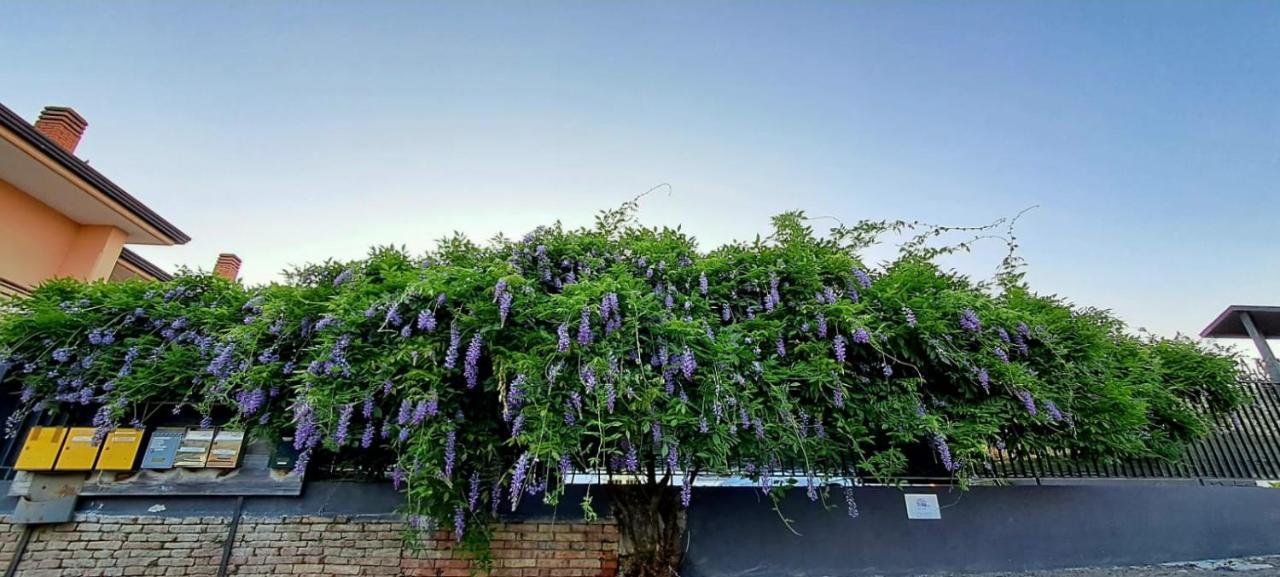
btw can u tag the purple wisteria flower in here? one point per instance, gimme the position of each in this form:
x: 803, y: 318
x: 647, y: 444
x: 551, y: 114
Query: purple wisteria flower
x: 686, y: 490
x: 861, y: 336
x: 864, y: 281
x: 366, y: 440
x: 459, y: 523
x: 588, y: 377
x: 585, y: 337
x: 397, y: 476
x: 1052, y: 408
x: 887, y: 370
x: 702, y: 284
x: 451, y: 354
x: 984, y: 380
x: 393, y: 316
x: 405, y: 414
x: 610, y: 396
x: 725, y: 313
x: 517, y: 425
x: 782, y: 347
x: 99, y: 337
x: 473, y: 494
x: 504, y: 307
x: 1001, y: 354
x: 344, y: 424
x: 419, y: 413
x: 632, y: 459
x: 426, y: 320
x: 343, y: 277
x: 911, y: 317
x: 822, y: 325
x: 837, y: 397
x: 562, y: 335
x: 1028, y: 401
x: 944, y: 452
x: 472, y: 370
x: 969, y: 321
x: 307, y: 433
x: 688, y: 364
x: 450, y: 452
x: 250, y: 402
x: 838, y: 345
x: 518, y: 478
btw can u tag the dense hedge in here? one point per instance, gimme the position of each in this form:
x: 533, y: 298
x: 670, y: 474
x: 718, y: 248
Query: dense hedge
x: 477, y: 371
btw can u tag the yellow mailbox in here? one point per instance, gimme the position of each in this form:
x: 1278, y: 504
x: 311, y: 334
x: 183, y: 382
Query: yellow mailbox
x: 79, y: 451
x: 40, y: 450
x: 120, y: 450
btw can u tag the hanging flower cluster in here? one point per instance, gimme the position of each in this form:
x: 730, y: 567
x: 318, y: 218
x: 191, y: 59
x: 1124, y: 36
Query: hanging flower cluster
x: 478, y: 377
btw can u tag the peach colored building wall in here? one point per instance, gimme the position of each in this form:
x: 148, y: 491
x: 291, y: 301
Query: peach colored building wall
x: 38, y: 243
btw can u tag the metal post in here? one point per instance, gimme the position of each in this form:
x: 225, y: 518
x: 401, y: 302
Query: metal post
x: 19, y: 550
x: 1264, y: 349
x: 231, y: 538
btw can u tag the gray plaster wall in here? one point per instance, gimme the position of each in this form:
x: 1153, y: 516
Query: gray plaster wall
x: 735, y: 532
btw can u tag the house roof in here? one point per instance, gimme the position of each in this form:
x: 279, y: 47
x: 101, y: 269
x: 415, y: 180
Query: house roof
x: 1229, y: 326
x: 144, y: 265
x: 160, y: 230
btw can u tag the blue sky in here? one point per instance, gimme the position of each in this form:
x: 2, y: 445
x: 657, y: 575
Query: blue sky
x: 1147, y: 133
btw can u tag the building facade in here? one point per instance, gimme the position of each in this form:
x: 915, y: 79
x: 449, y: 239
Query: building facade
x: 59, y: 217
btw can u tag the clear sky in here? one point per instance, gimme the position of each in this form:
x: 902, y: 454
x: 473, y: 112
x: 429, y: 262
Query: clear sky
x: 1147, y: 132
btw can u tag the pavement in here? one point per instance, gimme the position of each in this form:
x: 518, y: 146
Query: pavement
x: 1244, y: 567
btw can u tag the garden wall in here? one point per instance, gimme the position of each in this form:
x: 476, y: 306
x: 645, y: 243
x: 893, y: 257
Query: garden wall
x: 97, y: 545
x: 349, y: 529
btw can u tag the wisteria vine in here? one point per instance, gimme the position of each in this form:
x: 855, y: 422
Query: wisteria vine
x: 476, y: 377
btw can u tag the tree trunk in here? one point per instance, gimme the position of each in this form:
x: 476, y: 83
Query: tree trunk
x: 651, y: 526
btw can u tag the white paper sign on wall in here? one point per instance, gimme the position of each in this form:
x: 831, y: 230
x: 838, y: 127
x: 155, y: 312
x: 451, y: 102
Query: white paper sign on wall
x: 923, y: 506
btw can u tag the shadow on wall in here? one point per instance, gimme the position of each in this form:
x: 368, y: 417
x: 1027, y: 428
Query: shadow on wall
x: 735, y: 532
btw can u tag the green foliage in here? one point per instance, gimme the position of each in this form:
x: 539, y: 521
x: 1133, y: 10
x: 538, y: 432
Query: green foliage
x: 612, y: 357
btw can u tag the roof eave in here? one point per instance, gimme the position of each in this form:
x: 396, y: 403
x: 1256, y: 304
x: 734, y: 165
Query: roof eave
x: 111, y: 190
x: 144, y: 265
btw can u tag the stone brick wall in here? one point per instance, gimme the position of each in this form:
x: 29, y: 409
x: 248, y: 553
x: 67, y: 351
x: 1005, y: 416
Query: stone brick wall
x: 310, y: 545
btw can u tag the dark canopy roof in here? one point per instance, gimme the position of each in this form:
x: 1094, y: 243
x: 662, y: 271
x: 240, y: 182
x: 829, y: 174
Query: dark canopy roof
x: 1229, y: 326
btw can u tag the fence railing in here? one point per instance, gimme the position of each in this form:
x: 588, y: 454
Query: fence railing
x: 1243, y: 445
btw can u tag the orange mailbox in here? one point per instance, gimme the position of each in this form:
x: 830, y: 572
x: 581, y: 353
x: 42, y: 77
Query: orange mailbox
x: 40, y: 450
x: 120, y: 450
x: 79, y: 452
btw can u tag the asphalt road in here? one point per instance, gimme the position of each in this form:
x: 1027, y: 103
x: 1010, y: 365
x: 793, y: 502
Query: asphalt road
x: 1248, y: 567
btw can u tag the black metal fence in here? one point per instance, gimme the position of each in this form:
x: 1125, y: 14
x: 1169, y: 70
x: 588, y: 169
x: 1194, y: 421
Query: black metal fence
x: 1243, y: 445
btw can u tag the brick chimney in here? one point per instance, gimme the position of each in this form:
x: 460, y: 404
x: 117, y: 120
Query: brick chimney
x: 62, y: 125
x: 228, y: 266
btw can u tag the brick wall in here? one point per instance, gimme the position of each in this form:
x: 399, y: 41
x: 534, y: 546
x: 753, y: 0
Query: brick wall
x: 309, y: 545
